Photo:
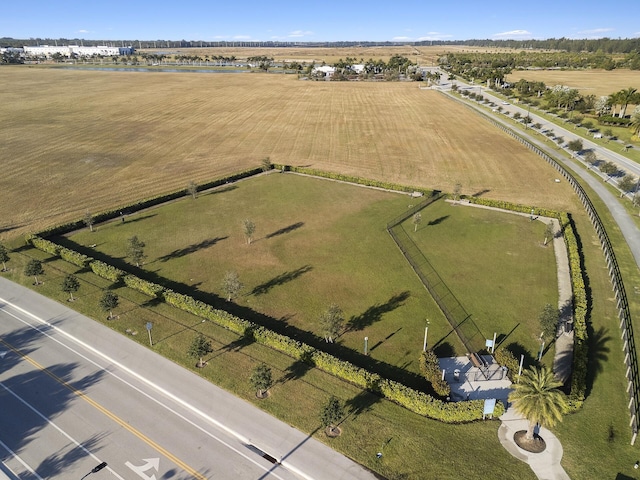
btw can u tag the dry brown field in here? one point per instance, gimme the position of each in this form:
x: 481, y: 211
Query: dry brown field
x: 588, y: 82
x: 77, y: 140
x: 422, y: 55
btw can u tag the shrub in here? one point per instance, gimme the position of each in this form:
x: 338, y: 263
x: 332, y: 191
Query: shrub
x: 106, y: 271
x: 430, y: 368
x: 75, y: 258
x: 143, y: 286
x: 44, y: 245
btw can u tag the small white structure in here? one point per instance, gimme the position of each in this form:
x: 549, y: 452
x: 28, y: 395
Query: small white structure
x: 326, y: 69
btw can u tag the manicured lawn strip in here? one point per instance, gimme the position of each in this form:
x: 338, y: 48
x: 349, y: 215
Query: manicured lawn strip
x: 496, y: 265
x: 412, y: 446
x: 317, y: 242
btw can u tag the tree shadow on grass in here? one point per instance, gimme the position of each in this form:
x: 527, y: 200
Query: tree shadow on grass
x: 387, y: 370
x: 181, y: 252
x: 361, y: 403
x: 296, y: 370
x: 480, y: 193
x: 438, y: 220
x: 374, y: 314
x: 503, y: 337
x: 287, y: 229
x: 280, y: 280
x: 444, y: 350
x: 598, y: 355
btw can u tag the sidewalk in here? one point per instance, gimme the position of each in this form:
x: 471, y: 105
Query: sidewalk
x: 546, y: 464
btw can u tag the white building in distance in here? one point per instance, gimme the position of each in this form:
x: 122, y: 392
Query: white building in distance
x: 76, y: 50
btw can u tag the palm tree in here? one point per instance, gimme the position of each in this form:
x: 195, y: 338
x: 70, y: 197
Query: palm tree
x: 635, y: 122
x: 537, y: 398
x: 625, y: 97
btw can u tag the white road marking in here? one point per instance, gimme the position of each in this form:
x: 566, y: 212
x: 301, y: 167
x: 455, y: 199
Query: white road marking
x: 148, y: 465
x: 149, y: 383
x: 69, y: 437
x: 24, y: 464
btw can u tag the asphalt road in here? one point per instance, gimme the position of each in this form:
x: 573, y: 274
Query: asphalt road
x: 629, y: 230
x: 73, y: 394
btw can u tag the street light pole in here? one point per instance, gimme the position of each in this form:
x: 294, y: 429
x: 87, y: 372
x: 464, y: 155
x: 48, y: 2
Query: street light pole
x: 426, y: 332
x: 95, y: 469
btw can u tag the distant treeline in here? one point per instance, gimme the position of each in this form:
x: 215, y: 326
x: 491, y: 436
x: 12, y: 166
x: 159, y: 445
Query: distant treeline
x: 605, y: 45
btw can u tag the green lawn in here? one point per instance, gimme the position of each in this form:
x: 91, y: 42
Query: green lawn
x: 413, y: 447
x: 418, y: 447
x: 319, y: 242
x: 496, y: 265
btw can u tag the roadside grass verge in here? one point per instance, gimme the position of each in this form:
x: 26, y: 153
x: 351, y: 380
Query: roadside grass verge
x: 413, y: 447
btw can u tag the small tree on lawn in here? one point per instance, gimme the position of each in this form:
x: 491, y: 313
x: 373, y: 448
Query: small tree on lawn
x: 548, y: 233
x: 33, y: 269
x: 4, y: 257
x: 249, y: 228
x: 627, y: 184
x: 261, y: 379
x: 192, y: 189
x: 200, y: 347
x: 575, y: 145
x: 231, y: 285
x: 88, y: 220
x: 457, y: 191
x: 590, y: 157
x: 417, y: 218
x: 70, y: 284
x: 109, y: 302
x: 332, y: 413
x: 266, y: 164
x: 549, y: 321
x: 331, y: 322
x: 135, y: 250
x: 609, y: 168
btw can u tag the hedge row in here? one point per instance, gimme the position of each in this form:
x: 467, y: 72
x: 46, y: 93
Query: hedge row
x: 580, y: 308
x: 143, y: 286
x: 416, y: 401
x: 130, y: 208
x: 351, y: 179
x: 610, y: 120
x: 413, y: 400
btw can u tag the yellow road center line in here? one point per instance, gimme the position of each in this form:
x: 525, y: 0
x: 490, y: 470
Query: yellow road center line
x: 109, y: 414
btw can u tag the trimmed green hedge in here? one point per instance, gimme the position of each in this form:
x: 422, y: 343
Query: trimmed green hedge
x: 580, y: 307
x: 130, y: 208
x: 416, y: 401
x: 143, y: 286
x: 107, y: 271
x: 351, y: 179
x: 44, y: 245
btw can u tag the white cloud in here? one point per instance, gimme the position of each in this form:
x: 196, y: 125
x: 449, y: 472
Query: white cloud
x: 221, y: 37
x: 242, y: 37
x: 434, y: 36
x: 83, y: 31
x: 300, y: 33
x: 596, y: 31
x: 513, y: 34
x: 401, y: 39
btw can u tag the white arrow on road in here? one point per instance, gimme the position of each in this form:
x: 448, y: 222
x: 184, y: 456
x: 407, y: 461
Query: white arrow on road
x: 150, y: 463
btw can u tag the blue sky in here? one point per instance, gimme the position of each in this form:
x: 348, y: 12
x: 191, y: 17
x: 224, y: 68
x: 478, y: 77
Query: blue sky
x: 328, y: 20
